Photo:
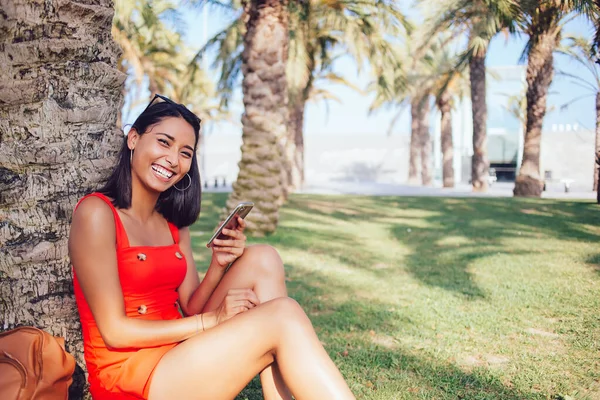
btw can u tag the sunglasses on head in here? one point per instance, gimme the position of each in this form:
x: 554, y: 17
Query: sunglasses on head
x: 161, y: 99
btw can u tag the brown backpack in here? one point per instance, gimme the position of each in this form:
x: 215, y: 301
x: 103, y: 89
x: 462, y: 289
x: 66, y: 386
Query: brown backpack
x: 34, y: 365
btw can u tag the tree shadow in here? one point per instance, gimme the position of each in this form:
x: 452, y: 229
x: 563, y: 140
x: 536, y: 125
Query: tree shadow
x: 444, y: 235
x: 478, y: 227
x: 375, y: 369
x: 594, y: 261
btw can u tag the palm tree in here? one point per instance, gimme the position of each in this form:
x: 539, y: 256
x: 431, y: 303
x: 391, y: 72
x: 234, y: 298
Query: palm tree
x: 265, y: 116
x: 449, y: 83
x: 320, y: 31
x: 149, y: 46
x: 543, y: 24
x: 482, y: 20
x: 154, y: 54
x: 59, y: 141
x: 579, y: 50
x: 424, y: 73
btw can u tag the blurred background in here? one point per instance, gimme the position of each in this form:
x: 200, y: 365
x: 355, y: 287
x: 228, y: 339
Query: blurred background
x: 356, y: 134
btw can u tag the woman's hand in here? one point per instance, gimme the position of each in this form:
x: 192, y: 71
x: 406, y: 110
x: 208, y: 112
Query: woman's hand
x: 235, y: 302
x: 226, y: 251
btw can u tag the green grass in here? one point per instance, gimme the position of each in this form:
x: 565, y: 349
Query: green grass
x: 444, y: 298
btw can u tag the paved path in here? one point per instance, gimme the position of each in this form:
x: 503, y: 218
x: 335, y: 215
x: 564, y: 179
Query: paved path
x: 499, y: 189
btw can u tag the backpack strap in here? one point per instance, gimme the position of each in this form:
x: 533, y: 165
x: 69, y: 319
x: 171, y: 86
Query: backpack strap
x: 121, y: 235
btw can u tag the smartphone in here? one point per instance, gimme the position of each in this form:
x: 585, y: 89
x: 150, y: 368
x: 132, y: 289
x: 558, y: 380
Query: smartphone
x: 231, y: 222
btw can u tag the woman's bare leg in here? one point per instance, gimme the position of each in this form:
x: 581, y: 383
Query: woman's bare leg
x: 218, y: 363
x: 261, y: 269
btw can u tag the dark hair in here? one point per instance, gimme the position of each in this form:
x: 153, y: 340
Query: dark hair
x: 178, y: 207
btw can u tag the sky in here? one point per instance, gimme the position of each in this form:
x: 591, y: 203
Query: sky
x: 352, y: 116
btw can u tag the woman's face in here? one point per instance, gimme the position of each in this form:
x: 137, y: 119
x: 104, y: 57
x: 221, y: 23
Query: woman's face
x: 163, y: 154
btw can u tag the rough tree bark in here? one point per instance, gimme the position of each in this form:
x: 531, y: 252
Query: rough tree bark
x: 444, y: 105
x: 480, y: 164
x: 59, y: 96
x: 540, y: 71
x: 266, y: 114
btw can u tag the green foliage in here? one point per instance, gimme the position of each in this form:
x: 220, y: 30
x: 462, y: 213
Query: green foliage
x: 479, y: 19
x: 444, y: 298
x: 579, y: 50
x: 320, y: 31
x: 154, y: 53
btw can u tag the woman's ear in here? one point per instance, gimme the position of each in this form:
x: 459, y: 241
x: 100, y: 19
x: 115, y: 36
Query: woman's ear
x: 132, y: 138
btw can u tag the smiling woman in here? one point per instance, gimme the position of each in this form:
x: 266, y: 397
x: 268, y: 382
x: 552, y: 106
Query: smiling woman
x: 165, y: 135
x: 151, y: 328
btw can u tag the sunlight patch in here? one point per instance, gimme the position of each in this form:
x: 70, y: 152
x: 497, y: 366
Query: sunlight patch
x: 533, y: 211
x: 385, y: 341
x: 450, y: 241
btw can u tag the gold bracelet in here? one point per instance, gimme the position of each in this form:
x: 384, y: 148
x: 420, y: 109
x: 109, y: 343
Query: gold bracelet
x: 202, y: 319
x: 196, y: 315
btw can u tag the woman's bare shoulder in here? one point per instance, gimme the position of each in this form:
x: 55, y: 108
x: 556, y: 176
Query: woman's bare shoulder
x: 93, y: 212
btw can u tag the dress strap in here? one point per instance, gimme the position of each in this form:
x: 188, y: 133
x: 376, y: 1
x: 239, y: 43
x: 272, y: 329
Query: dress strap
x: 121, y: 235
x: 174, y: 232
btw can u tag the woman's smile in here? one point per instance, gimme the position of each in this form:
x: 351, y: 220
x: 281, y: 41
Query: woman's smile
x: 162, y: 173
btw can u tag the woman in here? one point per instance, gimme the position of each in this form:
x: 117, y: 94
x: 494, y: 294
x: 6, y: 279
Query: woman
x: 133, y: 268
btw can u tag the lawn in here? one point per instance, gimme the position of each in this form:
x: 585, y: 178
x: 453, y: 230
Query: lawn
x: 444, y: 298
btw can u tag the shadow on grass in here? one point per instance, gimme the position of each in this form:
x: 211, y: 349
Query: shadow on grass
x: 381, y: 371
x: 478, y: 225
x: 594, y: 261
x: 442, y: 237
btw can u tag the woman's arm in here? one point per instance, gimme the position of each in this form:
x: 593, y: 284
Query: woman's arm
x: 193, y: 295
x: 93, y: 254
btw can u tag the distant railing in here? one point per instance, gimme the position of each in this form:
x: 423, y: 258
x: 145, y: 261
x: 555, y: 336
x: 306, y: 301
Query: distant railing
x: 215, y: 180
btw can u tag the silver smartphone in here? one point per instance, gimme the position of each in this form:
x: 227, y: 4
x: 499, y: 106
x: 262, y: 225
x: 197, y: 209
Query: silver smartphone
x: 231, y: 222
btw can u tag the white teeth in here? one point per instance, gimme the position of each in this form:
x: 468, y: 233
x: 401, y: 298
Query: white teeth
x: 163, y: 172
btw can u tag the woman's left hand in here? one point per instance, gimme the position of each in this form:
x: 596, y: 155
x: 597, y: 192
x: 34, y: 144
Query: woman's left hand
x: 226, y: 251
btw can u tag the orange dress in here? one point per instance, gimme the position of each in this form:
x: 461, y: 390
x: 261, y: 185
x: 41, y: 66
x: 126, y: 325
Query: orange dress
x: 149, y: 278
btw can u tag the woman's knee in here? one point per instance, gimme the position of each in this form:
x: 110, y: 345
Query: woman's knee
x: 266, y: 260
x: 286, y: 310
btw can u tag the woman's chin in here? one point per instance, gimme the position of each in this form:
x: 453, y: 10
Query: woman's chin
x: 158, y: 187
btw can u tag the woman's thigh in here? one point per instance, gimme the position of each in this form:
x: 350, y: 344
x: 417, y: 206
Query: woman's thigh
x: 218, y: 363
x: 259, y: 268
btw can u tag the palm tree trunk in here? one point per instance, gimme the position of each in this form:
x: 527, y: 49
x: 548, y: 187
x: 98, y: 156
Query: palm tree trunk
x: 426, y: 144
x: 480, y: 164
x: 415, y: 137
x: 265, y: 116
x: 296, y: 140
x: 597, y: 166
x: 446, y: 134
x: 540, y: 71
x: 58, y: 143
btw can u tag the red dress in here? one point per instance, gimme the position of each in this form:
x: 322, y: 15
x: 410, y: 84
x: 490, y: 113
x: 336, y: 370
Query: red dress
x: 150, y: 276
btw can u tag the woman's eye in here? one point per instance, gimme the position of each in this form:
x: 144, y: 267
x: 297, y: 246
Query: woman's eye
x: 186, y: 154
x: 163, y: 141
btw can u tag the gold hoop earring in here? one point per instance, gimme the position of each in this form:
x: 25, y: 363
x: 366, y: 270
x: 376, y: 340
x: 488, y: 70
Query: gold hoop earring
x: 187, y: 187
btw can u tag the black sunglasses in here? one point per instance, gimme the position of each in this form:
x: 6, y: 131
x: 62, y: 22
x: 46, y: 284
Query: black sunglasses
x: 161, y: 97
x: 164, y: 100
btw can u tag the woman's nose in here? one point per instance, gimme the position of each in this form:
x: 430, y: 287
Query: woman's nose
x: 171, y: 158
